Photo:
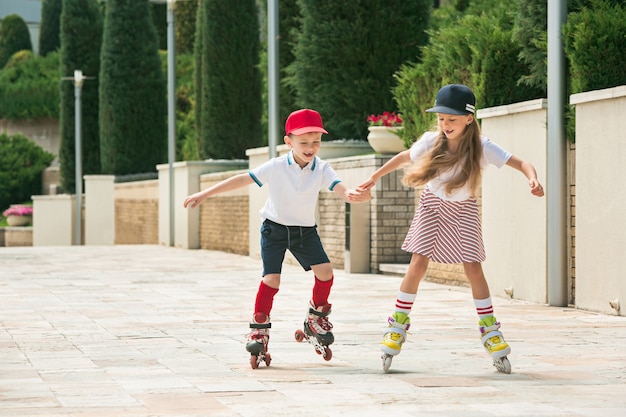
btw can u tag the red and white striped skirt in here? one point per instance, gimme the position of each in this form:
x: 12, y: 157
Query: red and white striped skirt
x: 447, y: 232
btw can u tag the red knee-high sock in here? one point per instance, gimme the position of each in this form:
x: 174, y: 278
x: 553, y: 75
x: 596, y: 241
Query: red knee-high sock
x: 264, y: 299
x: 321, y: 291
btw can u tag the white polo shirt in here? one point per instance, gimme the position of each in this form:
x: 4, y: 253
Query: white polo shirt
x: 293, y: 191
x: 492, y: 154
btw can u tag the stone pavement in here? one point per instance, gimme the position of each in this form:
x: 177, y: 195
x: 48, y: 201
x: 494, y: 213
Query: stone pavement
x: 156, y: 331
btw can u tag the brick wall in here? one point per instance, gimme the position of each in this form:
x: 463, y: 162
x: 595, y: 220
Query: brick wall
x: 332, y: 227
x: 137, y: 213
x: 392, y: 210
x: 224, y: 218
x: 136, y: 222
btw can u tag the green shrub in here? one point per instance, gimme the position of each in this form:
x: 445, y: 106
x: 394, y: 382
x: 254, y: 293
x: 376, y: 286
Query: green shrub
x: 14, y: 36
x: 29, y: 86
x: 486, y: 62
x: 21, y: 164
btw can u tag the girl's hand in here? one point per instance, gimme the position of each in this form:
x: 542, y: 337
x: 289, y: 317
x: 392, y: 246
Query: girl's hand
x: 367, y: 185
x: 535, y: 188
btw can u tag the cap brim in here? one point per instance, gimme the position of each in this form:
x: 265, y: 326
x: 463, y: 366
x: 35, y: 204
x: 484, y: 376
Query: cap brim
x: 308, y: 129
x: 447, y: 110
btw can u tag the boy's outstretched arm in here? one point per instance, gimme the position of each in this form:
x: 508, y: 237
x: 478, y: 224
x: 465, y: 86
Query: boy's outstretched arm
x: 394, y: 163
x: 529, y: 171
x: 229, y: 184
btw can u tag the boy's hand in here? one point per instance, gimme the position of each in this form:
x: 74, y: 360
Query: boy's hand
x: 359, y: 195
x: 194, y: 200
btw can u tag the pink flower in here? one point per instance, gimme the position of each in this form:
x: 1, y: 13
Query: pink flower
x: 18, y: 210
x: 386, y: 119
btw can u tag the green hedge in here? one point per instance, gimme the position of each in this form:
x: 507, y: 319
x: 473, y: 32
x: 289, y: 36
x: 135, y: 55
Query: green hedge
x: 29, y: 86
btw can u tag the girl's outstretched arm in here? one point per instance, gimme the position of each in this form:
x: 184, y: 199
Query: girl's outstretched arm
x: 529, y: 171
x: 394, y: 163
x: 229, y: 184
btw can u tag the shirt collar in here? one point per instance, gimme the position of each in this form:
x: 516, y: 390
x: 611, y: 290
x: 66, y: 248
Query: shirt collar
x: 291, y: 161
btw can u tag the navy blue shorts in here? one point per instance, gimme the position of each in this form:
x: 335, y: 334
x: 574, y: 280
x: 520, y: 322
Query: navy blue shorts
x: 303, y: 242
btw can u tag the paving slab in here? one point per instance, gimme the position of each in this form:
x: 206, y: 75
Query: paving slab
x: 143, y: 330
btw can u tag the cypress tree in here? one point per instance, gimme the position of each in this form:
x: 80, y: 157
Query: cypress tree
x: 50, y: 26
x: 14, y: 37
x: 231, y: 81
x: 133, y: 97
x: 81, y: 40
x: 347, y: 53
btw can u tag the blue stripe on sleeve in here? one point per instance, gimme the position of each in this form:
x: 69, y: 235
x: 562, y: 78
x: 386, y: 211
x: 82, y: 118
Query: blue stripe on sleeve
x: 332, y: 186
x: 259, y: 183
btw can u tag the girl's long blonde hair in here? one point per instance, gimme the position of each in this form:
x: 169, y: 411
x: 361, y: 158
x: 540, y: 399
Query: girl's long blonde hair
x: 438, y: 160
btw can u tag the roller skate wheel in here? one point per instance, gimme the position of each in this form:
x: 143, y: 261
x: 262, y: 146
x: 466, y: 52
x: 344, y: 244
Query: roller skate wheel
x: 254, y: 361
x: 299, y: 336
x: 328, y: 354
x: 502, y: 365
x: 386, y: 362
x: 268, y: 359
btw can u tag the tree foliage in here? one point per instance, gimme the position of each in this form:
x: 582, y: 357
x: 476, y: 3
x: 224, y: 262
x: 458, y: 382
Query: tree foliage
x: 133, y: 98
x: 346, y: 54
x: 49, y: 29
x: 228, y: 77
x: 81, y: 40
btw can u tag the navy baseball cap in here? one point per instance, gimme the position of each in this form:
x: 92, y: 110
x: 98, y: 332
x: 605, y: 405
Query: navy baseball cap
x: 454, y: 99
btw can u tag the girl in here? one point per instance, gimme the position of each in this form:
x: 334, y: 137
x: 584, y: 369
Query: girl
x: 446, y: 227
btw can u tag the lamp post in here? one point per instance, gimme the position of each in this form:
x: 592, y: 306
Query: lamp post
x: 78, y: 79
x: 171, y: 108
x: 272, y: 75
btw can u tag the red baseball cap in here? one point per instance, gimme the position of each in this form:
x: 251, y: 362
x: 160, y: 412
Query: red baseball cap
x: 304, y: 121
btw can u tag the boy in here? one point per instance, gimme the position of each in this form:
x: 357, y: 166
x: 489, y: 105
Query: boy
x: 289, y: 223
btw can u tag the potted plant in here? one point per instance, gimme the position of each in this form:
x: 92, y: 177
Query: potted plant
x: 18, y: 215
x: 383, y: 137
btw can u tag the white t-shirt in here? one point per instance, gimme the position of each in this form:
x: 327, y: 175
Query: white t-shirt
x: 293, y: 191
x: 492, y: 154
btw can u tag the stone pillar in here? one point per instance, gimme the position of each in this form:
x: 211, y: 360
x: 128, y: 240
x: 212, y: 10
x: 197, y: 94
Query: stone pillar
x: 99, y: 209
x: 53, y: 220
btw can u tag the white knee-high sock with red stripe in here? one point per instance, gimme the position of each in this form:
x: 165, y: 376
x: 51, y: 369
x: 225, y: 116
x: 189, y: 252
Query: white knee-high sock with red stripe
x: 483, y: 307
x: 404, y: 302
